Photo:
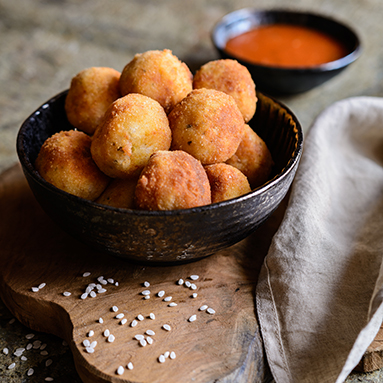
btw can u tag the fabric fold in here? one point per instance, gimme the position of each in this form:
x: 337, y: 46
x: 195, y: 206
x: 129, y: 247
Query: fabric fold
x: 320, y: 291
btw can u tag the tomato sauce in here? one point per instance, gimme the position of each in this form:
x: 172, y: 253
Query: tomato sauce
x: 285, y: 45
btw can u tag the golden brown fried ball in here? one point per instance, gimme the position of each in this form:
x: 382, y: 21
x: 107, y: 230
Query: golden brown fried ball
x: 208, y: 125
x: 253, y: 158
x: 230, y: 77
x: 65, y: 161
x: 172, y: 180
x: 226, y: 182
x: 134, y: 127
x: 159, y: 75
x: 119, y: 193
x: 89, y: 96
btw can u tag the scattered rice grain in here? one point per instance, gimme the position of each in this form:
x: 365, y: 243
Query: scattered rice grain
x: 130, y: 366
x: 193, y: 286
x: 143, y: 342
x: 134, y: 323
x: 24, y: 358
x: 167, y: 299
x: 37, y: 344
x: 139, y: 337
x: 187, y: 284
x: 93, y: 294
x: 146, y: 284
x: 35, y: 289
x: 152, y: 316
x: 115, y: 309
x: 120, y: 370
x: 172, y: 304
x: 29, y: 346
x: 161, y: 359
x: 100, y: 320
x: 48, y: 362
x: 120, y: 316
x: 194, y: 277
x: 140, y: 317
x: 110, y: 280
x: 145, y: 292
x: 43, y: 346
x: 67, y: 293
x: 161, y: 293
x: 93, y: 344
x: 116, y: 283
x: 86, y: 274
x: 106, y: 333
x: 5, y: 351
x: 90, y: 333
x: 166, y: 327
x: 192, y: 318
x: 210, y: 311
x: 173, y: 355
x: 147, y: 297
x: 111, y: 338
x: 194, y: 295
x: 12, y: 321
x: 203, y: 307
x: 166, y: 354
x: 123, y: 321
x: 48, y: 379
x: 100, y: 291
x: 150, y: 332
x: 29, y: 336
x: 11, y: 366
x: 180, y: 281
x: 41, y: 285
x: 86, y: 343
x: 149, y: 340
x: 84, y: 296
x: 30, y: 372
x: 44, y: 353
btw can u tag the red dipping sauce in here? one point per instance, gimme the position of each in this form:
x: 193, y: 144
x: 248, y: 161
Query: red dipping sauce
x: 285, y: 45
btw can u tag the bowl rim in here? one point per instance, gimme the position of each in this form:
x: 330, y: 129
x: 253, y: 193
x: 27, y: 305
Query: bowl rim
x: 243, y: 14
x: 32, y: 172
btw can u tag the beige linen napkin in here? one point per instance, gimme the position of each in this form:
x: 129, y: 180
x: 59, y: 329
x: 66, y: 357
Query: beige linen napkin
x: 320, y: 291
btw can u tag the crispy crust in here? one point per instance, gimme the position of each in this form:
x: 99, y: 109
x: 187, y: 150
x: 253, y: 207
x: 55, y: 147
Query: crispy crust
x: 226, y: 182
x: 232, y: 78
x: 89, y: 96
x: 65, y: 161
x: 159, y: 75
x: 134, y: 127
x: 172, y: 180
x: 208, y: 125
x: 253, y: 158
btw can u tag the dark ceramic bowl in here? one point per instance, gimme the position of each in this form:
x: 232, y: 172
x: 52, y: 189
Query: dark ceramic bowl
x: 158, y: 237
x: 278, y: 80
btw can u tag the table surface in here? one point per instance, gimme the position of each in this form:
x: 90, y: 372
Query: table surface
x: 45, y: 43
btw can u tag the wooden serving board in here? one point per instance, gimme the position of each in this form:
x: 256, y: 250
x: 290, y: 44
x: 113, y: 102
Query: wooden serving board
x: 221, y: 347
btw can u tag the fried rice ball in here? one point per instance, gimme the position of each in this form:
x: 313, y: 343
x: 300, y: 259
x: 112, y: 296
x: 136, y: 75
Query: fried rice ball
x: 119, y: 193
x: 253, y: 158
x: 231, y: 77
x: 65, y: 161
x: 208, y: 125
x: 159, y: 75
x: 90, y: 94
x: 134, y: 127
x: 172, y: 180
x: 226, y: 182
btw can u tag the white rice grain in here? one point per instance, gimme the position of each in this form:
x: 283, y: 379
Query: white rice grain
x: 140, y: 317
x: 180, y: 282
x: 149, y: 340
x: 134, y: 323
x: 86, y: 274
x: 152, y: 316
x: 84, y: 296
x: 187, y: 284
x: 11, y: 366
x: 90, y: 333
x: 166, y: 354
x: 35, y: 289
x: 44, y: 353
x: 86, y: 343
x: 29, y: 336
x: 6, y: 351
x: 167, y: 299
x: 192, y: 318
x: 210, y: 311
x: 130, y: 366
x: 29, y: 346
x: 110, y: 280
x: 48, y: 379
x: 161, y: 359
x: 115, y: 309
x: 111, y: 338
x: 161, y: 293
x: 93, y: 344
x: 173, y: 355
x: 120, y: 370
x: 146, y: 284
x: 41, y: 285
x: 203, y: 307
x: 100, y: 320
x: 194, y: 295
x: 194, y: 277
x: 143, y: 342
x: 139, y: 337
x: 120, y: 316
x: 150, y: 332
x: 93, y: 294
x: 145, y: 292
x: 193, y: 286
x: 106, y: 333
x: 24, y: 358
x: 123, y: 321
x: 166, y: 327
x: 48, y: 362
x: 172, y: 304
x: 67, y: 293
x: 89, y: 350
x: 30, y: 372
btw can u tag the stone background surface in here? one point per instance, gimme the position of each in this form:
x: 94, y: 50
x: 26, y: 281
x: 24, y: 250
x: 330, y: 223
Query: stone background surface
x: 45, y: 43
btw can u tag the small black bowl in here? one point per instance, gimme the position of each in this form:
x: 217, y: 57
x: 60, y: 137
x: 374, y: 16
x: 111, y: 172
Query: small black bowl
x: 159, y: 237
x: 279, y: 80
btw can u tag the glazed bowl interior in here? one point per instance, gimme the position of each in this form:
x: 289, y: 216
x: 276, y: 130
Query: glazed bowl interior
x: 282, y: 80
x: 164, y: 237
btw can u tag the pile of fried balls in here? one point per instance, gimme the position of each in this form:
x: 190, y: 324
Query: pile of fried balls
x: 155, y: 137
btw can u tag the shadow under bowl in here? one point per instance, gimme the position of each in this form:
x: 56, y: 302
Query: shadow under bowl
x: 282, y: 80
x: 163, y: 237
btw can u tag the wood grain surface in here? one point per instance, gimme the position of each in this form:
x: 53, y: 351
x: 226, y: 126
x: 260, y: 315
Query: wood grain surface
x: 222, y: 347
